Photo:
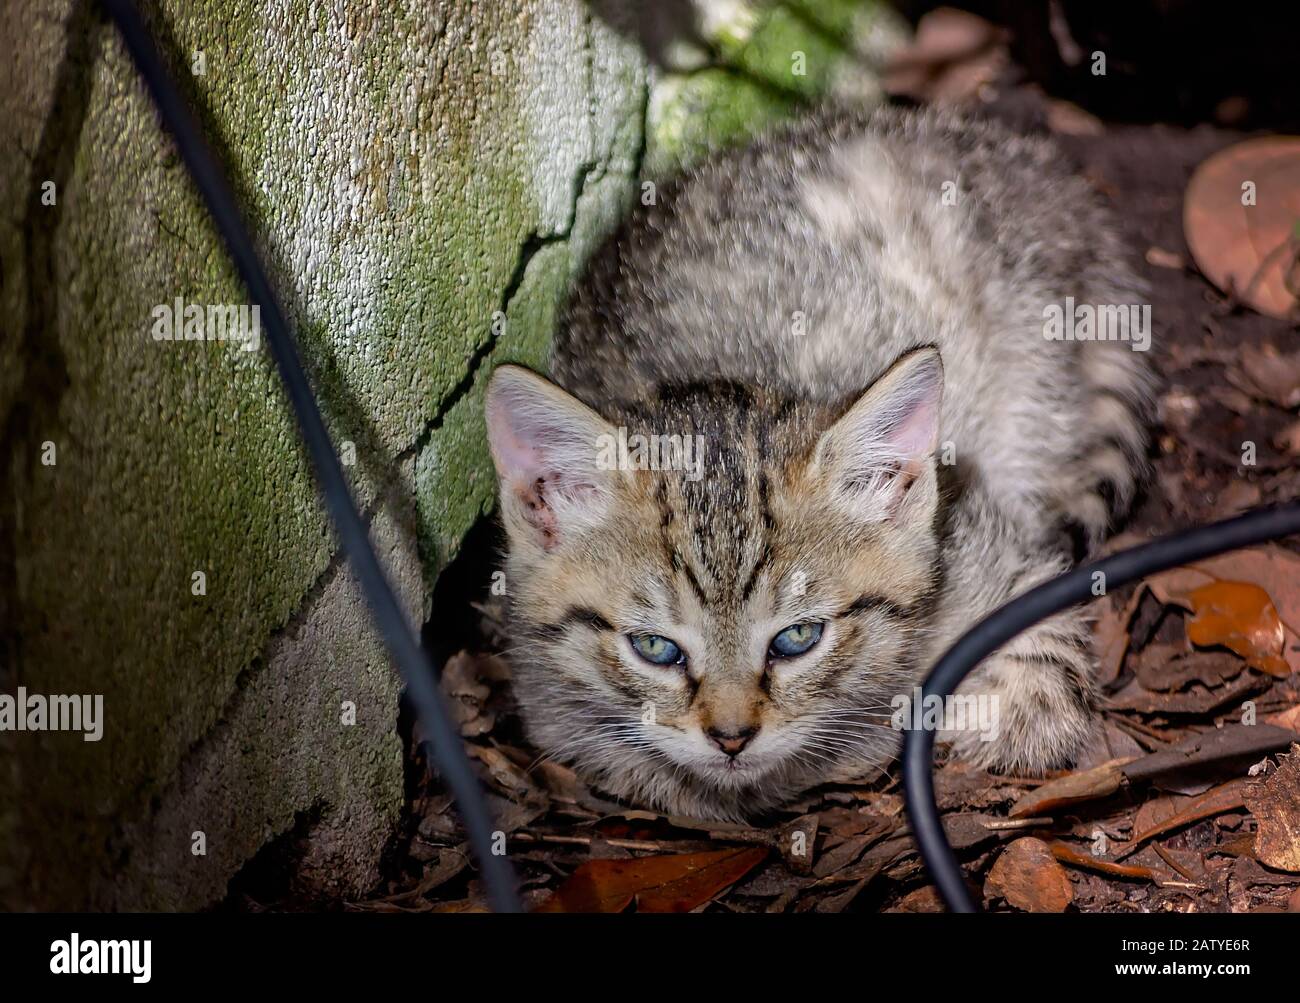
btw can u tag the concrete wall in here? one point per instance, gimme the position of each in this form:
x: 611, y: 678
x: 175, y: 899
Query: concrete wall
x: 428, y: 178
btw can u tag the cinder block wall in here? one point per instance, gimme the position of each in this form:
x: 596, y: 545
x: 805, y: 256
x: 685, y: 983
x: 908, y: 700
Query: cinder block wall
x: 428, y: 177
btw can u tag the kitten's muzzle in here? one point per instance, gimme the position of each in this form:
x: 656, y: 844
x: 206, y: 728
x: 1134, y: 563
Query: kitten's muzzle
x: 732, y: 742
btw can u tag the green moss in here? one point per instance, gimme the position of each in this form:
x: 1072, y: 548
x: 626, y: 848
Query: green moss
x: 838, y: 20
x: 707, y: 110
x: 784, y: 53
x: 765, y: 63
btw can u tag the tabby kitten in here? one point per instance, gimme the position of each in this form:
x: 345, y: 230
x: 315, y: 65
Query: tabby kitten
x: 811, y: 429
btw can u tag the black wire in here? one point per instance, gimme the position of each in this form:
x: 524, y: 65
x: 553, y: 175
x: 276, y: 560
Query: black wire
x: 416, y: 672
x: 1005, y: 623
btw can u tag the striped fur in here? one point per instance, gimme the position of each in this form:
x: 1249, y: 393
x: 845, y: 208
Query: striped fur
x: 891, y: 448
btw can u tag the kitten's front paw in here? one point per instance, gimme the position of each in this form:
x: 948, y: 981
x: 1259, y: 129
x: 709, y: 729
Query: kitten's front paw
x: 1038, y: 697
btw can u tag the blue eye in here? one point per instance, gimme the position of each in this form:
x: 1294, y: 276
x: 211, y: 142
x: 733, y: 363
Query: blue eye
x: 795, y: 640
x: 657, y: 650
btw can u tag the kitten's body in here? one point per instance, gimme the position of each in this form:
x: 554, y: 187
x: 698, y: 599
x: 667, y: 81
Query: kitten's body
x: 754, y: 305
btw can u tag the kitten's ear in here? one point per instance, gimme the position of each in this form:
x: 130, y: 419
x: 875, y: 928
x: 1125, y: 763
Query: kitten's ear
x: 874, y: 455
x: 545, y: 445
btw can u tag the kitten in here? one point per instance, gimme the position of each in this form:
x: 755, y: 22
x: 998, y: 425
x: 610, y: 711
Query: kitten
x: 814, y: 425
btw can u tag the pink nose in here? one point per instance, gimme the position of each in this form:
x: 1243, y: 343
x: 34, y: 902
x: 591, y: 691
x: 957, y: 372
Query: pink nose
x: 732, y: 742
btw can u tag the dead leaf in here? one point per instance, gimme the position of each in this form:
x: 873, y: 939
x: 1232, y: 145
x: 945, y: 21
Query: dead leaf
x: 1166, y: 667
x: 1192, y: 765
x: 1111, y: 637
x: 968, y: 829
x: 1288, y: 719
x: 1108, y: 742
x: 1247, y: 249
x: 1028, y: 876
x: 1068, y: 119
x: 1267, y: 375
x: 1241, y: 617
x: 841, y: 900
x: 1228, y: 797
x: 1275, y: 803
x: 1085, y: 785
x: 465, y: 678
x: 840, y: 856
x: 673, y: 883
x: 1237, y: 497
x: 1069, y: 855
x: 797, y: 843
x: 951, y: 58
x: 559, y: 780
x: 1161, y: 258
x: 1275, y: 570
x: 922, y: 900
x: 1288, y: 439
x: 509, y: 778
x: 1197, y: 699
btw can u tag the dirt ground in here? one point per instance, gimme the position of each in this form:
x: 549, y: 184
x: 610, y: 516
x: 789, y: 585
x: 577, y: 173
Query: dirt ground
x: 1158, y: 817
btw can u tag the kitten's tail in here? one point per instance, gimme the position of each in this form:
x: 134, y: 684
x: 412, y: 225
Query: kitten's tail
x: 1100, y: 485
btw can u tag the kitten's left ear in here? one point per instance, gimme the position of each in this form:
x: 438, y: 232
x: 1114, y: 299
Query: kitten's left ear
x: 875, y: 454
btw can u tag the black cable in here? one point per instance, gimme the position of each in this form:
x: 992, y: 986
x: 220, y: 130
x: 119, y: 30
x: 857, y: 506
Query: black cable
x: 1003, y: 624
x: 416, y: 672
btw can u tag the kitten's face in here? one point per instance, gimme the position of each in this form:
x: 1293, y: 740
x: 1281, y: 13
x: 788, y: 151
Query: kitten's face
x: 717, y: 638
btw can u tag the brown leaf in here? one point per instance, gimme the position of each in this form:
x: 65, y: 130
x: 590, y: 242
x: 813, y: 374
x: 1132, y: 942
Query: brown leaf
x: 1227, y: 797
x: 1288, y: 439
x: 1111, y: 638
x: 968, y: 829
x: 797, y: 843
x: 674, y: 883
x: 559, y: 780
x: 922, y: 900
x: 1264, y: 373
x: 464, y: 680
x: 1069, y: 855
x: 1028, y: 876
x: 1241, y: 617
x: 1069, y: 119
x: 839, y: 901
x: 1288, y: 719
x: 1196, y: 700
x: 1167, y: 667
x: 1108, y: 742
x: 1275, y: 803
x: 1247, y: 249
x: 1194, y: 763
x: 953, y: 56
x: 509, y: 778
x: 1084, y: 785
x: 840, y: 856
x: 1275, y: 570
x: 1161, y: 258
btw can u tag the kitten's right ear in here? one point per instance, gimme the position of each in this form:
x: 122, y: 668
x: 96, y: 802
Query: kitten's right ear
x: 545, y: 444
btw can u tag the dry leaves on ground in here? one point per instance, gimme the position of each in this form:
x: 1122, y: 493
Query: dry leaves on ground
x: 1239, y: 218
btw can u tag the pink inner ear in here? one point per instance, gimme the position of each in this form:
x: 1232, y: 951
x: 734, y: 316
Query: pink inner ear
x: 519, y: 459
x: 518, y: 456
x: 914, y: 435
